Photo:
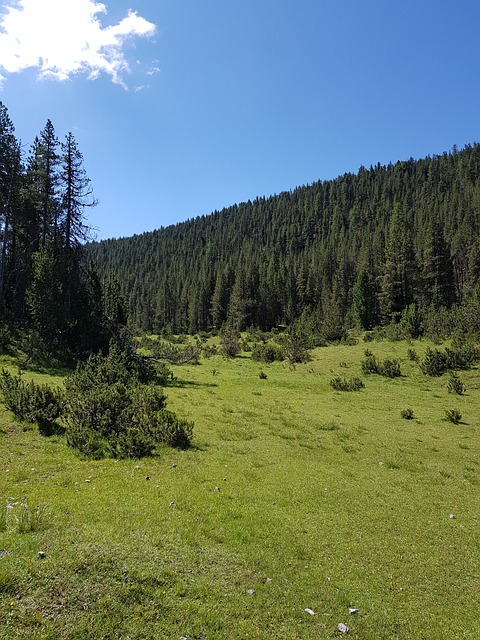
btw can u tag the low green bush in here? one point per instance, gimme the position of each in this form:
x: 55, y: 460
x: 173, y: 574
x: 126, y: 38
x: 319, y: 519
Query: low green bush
x: 110, y: 412
x: 29, y: 401
x: 230, y: 342
x: 407, y: 414
x: 369, y: 364
x: 436, y: 362
x: 455, y: 385
x: 389, y: 368
x: 344, y: 384
x: 267, y: 352
x: 453, y: 415
x: 412, y: 355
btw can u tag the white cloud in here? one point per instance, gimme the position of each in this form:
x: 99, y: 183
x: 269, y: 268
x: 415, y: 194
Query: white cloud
x: 65, y: 37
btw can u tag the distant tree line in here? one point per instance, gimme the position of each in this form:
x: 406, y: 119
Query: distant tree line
x: 45, y: 287
x: 388, y: 244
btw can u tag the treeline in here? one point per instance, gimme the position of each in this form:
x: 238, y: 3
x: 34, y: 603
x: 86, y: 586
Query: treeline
x: 363, y: 250
x: 45, y: 288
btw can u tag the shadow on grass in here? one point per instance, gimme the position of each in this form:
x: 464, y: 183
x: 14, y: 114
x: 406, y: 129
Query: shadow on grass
x: 54, y: 369
x: 190, y: 384
x: 49, y: 429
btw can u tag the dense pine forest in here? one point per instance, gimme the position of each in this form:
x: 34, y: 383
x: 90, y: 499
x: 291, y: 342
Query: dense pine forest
x: 388, y: 243
x: 48, y: 295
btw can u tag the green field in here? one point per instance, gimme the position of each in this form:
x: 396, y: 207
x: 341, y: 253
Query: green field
x: 294, y: 496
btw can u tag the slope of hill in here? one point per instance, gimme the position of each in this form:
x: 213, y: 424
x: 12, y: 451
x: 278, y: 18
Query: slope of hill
x: 357, y: 249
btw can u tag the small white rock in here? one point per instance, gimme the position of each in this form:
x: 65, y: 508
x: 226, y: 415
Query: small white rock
x: 343, y: 628
x: 251, y: 592
x: 452, y: 516
x: 310, y: 611
x: 172, y: 504
x: 217, y: 489
x: 352, y: 611
x: 41, y: 554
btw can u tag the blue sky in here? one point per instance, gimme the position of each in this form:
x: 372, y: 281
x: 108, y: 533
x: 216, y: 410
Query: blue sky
x: 183, y: 107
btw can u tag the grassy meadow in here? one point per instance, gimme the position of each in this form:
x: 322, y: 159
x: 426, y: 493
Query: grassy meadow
x: 294, y: 496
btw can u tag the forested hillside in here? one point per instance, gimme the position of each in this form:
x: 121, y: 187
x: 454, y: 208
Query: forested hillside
x: 356, y: 250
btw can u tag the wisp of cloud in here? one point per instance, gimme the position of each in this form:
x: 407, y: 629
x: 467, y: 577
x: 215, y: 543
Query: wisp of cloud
x: 62, y: 39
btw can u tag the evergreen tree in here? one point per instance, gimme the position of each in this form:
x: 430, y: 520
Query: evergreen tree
x: 438, y: 284
x: 44, y: 297
x: 77, y: 194
x: 43, y: 181
x: 364, y: 300
x: 399, y: 269
x: 10, y: 176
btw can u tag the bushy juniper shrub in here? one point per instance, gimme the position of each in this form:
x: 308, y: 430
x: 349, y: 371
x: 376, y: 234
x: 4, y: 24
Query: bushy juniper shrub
x: 412, y: 355
x: 370, y: 364
x: 245, y: 345
x: 453, y: 415
x: 455, y: 384
x: 389, y: 368
x: 344, y: 384
x: 111, y: 412
x: 268, y: 352
x: 411, y: 321
x: 209, y: 350
x: 30, y: 401
x: 407, y: 413
x: 230, y: 342
x: 262, y: 375
x: 436, y: 362
x: 176, y: 354
x: 296, y: 343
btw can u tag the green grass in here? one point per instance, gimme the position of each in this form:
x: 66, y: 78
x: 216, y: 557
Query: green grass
x: 311, y: 497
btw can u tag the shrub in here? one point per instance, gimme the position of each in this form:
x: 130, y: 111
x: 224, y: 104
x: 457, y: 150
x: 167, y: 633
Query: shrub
x: 267, y: 353
x: 434, y: 362
x: 169, y: 429
x: 209, y: 350
x: 390, y: 368
x: 455, y: 385
x: 407, y: 413
x: 296, y: 342
x: 412, y: 355
x: 342, y: 384
x: 176, y: 354
x: 111, y: 413
x: 453, y: 415
x: 29, y: 401
x: 230, y: 342
x: 370, y: 364
x: 262, y: 375
x: 411, y: 321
